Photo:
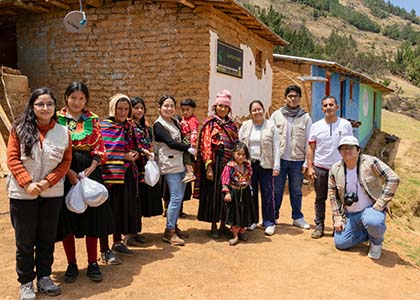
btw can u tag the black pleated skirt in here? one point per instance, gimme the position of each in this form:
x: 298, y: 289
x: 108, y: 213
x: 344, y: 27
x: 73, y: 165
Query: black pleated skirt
x: 241, y: 210
x: 151, y: 200
x: 125, y: 203
x: 95, y: 221
x: 211, y: 207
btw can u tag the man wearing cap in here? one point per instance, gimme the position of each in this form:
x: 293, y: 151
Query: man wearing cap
x: 360, y: 188
x: 322, y: 153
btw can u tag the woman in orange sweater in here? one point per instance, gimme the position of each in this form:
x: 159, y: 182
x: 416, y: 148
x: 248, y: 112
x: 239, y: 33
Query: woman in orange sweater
x: 38, y: 156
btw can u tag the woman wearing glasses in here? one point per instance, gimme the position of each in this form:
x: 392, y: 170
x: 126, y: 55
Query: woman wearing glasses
x: 38, y: 156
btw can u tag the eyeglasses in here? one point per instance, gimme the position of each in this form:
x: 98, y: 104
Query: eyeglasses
x: 41, y: 105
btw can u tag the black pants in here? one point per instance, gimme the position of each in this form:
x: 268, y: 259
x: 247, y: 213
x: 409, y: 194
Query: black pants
x: 321, y: 191
x: 35, y: 223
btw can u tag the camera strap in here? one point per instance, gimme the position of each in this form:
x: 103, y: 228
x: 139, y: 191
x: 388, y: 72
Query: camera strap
x: 357, y: 176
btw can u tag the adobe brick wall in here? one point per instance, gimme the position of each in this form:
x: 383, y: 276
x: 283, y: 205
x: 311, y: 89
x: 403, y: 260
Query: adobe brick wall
x: 143, y: 50
x: 285, y: 74
x: 147, y: 50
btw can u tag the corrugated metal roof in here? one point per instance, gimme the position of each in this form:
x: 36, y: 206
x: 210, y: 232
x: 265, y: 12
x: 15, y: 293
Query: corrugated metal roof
x: 335, y: 67
x: 231, y: 8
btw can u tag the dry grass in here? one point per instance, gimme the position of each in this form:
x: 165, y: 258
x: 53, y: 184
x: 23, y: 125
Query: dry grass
x: 404, y: 230
x: 406, y: 89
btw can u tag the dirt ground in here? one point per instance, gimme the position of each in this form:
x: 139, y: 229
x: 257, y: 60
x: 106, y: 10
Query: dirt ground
x: 288, y: 265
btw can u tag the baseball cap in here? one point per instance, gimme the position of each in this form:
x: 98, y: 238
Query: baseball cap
x: 349, y: 140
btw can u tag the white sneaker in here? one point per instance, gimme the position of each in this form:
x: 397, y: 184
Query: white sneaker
x: 27, y: 291
x: 269, y: 230
x: 375, y: 251
x: 252, y: 227
x: 301, y: 223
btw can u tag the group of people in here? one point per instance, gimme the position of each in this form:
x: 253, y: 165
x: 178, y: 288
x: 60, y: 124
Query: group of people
x: 48, y: 148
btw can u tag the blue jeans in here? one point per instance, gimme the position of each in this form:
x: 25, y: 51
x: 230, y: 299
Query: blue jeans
x: 369, y: 224
x: 265, y: 179
x: 176, y: 195
x: 293, y: 171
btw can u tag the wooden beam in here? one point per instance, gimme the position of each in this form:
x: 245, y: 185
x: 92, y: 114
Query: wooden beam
x: 6, y: 3
x: 4, y: 118
x: 186, y: 3
x: 30, y: 6
x: 58, y: 4
x: 7, y: 12
x: 95, y: 3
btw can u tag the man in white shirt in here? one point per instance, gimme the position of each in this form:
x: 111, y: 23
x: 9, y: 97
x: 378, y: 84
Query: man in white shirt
x: 360, y: 189
x: 322, y: 153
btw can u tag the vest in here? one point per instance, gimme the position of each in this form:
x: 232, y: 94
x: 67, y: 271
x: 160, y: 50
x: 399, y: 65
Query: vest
x: 170, y: 160
x: 369, y: 182
x: 266, y: 143
x: 43, y: 161
x: 298, y: 134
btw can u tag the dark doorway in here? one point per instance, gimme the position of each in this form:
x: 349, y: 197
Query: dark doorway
x: 8, y: 45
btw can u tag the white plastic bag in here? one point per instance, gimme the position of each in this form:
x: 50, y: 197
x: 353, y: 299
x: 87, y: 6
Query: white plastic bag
x: 94, y: 192
x: 74, y: 199
x: 151, y: 172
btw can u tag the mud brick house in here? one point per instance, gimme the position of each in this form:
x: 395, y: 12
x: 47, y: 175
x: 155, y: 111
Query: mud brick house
x: 186, y: 48
x: 359, y: 97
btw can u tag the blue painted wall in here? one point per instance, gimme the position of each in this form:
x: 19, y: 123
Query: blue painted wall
x: 352, y: 107
x: 318, y: 92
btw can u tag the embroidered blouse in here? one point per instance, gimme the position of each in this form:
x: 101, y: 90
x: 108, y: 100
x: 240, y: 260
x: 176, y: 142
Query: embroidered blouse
x: 233, y: 175
x: 85, y: 133
x: 217, y: 134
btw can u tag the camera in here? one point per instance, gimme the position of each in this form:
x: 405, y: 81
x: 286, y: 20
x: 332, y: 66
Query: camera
x: 350, y: 198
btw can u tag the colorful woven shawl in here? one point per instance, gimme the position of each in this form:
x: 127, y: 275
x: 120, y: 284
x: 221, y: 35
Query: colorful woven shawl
x: 119, y: 138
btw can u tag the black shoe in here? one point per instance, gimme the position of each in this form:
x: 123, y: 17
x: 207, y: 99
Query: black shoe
x: 94, y: 273
x: 243, y: 237
x: 121, y: 248
x: 318, y: 232
x: 139, y: 238
x: 214, y: 234
x: 71, y: 273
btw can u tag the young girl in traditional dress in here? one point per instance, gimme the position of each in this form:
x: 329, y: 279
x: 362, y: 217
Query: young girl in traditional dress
x: 236, y: 180
x: 88, y: 153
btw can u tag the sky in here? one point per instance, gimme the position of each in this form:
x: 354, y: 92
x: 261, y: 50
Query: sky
x: 408, y: 5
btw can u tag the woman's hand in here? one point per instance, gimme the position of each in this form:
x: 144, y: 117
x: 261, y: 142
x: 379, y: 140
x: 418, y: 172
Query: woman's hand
x: 276, y: 172
x: 43, y: 184
x: 33, y: 189
x: 209, y: 173
x: 228, y: 197
x: 90, y: 169
x: 146, y: 153
x: 72, y: 176
x: 131, y: 156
